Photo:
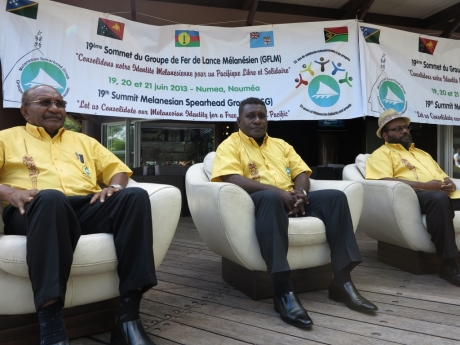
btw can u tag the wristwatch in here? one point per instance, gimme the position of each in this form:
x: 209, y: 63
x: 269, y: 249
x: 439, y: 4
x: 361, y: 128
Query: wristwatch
x: 116, y: 186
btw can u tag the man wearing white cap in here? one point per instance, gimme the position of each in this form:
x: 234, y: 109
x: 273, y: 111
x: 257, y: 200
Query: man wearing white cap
x: 399, y: 160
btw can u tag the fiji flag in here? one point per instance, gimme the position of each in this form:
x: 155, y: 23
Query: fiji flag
x: 371, y: 35
x: 110, y: 28
x: 23, y: 8
x: 261, y: 39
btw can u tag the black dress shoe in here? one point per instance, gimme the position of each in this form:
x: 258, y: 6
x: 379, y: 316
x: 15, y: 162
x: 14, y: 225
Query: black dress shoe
x: 130, y: 333
x: 64, y: 342
x: 348, y: 294
x: 291, y: 311
x: 451, y: 272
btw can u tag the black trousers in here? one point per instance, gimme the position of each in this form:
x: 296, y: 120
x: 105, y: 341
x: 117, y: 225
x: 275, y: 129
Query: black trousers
x: 54, y: 222
x: 331, y: 206
x: 439, y: 210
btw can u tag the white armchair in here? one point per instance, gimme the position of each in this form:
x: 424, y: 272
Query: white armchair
x: 93, y: 284
x: 223, y: 214
x: 391, y: 215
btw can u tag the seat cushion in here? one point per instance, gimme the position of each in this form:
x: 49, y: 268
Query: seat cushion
x: 306, y: 231
x: 94, y: 254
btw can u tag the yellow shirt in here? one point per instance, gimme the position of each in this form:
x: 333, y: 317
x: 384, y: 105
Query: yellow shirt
x: 72, y: 163
x: 394, y: 161
x: 274, y: 162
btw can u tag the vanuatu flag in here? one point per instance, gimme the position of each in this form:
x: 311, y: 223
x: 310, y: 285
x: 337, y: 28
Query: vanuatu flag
x: 187, y: 38
x: 426, y: 45
x: 110, y: 28
x: 371, y: 35
x: 338, y: 34
x: 23, y: 8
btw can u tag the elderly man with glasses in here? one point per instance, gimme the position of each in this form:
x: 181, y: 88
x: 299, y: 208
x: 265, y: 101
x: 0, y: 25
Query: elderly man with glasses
x: 49, y: 181
x: 399, y: 160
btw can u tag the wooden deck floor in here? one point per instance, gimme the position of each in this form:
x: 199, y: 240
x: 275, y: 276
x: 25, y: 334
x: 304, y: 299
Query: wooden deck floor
x: 193, y: 305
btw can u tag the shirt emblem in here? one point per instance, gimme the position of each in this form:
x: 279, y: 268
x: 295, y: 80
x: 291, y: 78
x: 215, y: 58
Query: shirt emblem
x: 288, y: 171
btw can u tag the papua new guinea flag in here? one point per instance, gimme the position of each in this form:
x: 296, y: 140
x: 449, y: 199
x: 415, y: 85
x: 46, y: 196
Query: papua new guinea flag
x: 110, y: 28
x: 187, y: 38
x: 338, y: 34
x: 371, y: 35
x: 22, y: 8
x: 426, y: 45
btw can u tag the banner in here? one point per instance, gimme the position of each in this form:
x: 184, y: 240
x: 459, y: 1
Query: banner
x: 108, y: 65
x: 415, y: 74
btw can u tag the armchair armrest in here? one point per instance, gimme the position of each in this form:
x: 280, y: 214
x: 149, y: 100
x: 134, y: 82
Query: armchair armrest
x: 224, y: 214
x: 352, y: 189
x: 165, y: 202
x: 391, y: 214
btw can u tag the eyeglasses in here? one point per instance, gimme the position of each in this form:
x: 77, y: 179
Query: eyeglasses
x: 47, y: 103
x: 398, y: 129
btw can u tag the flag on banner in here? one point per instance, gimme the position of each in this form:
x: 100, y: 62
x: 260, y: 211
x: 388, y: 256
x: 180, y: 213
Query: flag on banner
x: 187, y: 38
x: 261, y: 39
x: 110, y: 28
x: 338, y: 34
x: 426, y: 45
x: 371, y: 35
x: 23, y: 8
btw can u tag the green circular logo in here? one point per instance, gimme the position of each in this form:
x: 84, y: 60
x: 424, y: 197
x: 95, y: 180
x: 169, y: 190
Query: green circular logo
x: 41, y: 72
x: 324, y: 91
x: 392, y: 96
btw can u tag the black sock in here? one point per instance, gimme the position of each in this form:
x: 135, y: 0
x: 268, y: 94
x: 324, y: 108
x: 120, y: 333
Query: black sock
x: 281, y: 283
x: 449, y: 261
x: 129, y: 307
x: 52, y: 328
x: 342, y: 277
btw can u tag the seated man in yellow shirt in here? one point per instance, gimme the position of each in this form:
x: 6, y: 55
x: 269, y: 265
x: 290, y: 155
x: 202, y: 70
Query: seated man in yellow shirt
x: 49, y: 181
x: 399, y: 160
x: 277, y: 180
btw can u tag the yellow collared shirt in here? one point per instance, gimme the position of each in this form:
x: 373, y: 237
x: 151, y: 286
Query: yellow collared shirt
x: 394, y: 161
x: 72, y: 163
x: 275, y: 162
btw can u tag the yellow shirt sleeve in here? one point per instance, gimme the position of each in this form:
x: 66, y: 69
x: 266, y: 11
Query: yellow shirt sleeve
x: 107, y: 164
x: 296, y: 163
x: 227, y: 161
x: 379, y: 165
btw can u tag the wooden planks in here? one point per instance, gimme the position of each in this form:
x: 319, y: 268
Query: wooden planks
x: 82, y: 320
x: 192, y: 304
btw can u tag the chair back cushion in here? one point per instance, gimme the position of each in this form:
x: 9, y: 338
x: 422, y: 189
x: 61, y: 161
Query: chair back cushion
x: 208, y: 163
x: 361, y: 163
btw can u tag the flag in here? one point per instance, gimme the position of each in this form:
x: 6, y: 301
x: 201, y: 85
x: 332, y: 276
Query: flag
x: 371, y: 35
x: 110, y: 28
x: 23, y: 8
x: 261, y: 39
x: 338, y: 34
x: 187, y: 38
x: 426, y: 45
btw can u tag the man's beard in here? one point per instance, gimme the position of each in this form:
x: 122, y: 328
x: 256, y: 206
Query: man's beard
x: 405, y: 140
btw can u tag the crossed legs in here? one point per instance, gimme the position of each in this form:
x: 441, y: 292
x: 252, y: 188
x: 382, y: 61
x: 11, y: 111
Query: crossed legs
x: 272, y: 224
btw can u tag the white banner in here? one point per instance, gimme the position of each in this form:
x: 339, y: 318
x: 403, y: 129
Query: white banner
x: 415, y: 74
x: 107, y: 65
